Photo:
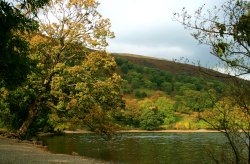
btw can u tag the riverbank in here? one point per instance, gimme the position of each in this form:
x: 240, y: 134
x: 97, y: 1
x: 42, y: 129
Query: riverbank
x: 147, y: 131
x: 24, y: 152
x: 170, y: 131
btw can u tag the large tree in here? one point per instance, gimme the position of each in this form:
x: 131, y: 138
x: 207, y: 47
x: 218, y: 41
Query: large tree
x: 73, y: 81
x: 226, y: 29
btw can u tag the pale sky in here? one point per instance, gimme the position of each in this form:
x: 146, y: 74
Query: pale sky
x: 145, y: 27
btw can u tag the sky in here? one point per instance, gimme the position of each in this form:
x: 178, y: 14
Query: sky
x: 146, y: 27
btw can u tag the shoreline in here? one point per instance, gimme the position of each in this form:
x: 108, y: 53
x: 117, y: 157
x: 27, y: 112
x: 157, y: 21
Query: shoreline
x: 22, y: 152
x: 170, y: 131
x: 147, y: 131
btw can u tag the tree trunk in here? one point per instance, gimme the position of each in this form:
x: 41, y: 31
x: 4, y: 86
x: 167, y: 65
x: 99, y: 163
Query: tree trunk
x: 33, y: 111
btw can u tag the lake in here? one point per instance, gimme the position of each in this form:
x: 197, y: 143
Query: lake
x: 134, y: 148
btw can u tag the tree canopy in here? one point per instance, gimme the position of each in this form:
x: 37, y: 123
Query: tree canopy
x: 15, y: 20
x: 72, y: 80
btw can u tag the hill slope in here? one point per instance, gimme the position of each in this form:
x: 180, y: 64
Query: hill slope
x: 171, y: 66
x: 161, y: 93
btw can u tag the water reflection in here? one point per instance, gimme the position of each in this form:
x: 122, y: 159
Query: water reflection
x: 140, y: 147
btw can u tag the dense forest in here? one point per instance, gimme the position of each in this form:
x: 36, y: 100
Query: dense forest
x: 157, y: 98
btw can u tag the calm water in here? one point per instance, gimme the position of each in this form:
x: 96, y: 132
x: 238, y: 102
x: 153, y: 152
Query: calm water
x: 136, y: 148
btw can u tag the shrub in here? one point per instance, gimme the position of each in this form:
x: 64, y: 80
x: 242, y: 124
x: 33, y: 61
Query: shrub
x: 151, y: 119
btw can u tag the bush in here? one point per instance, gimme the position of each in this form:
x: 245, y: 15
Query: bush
x: 169, y: 119
x: 151, y: 119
